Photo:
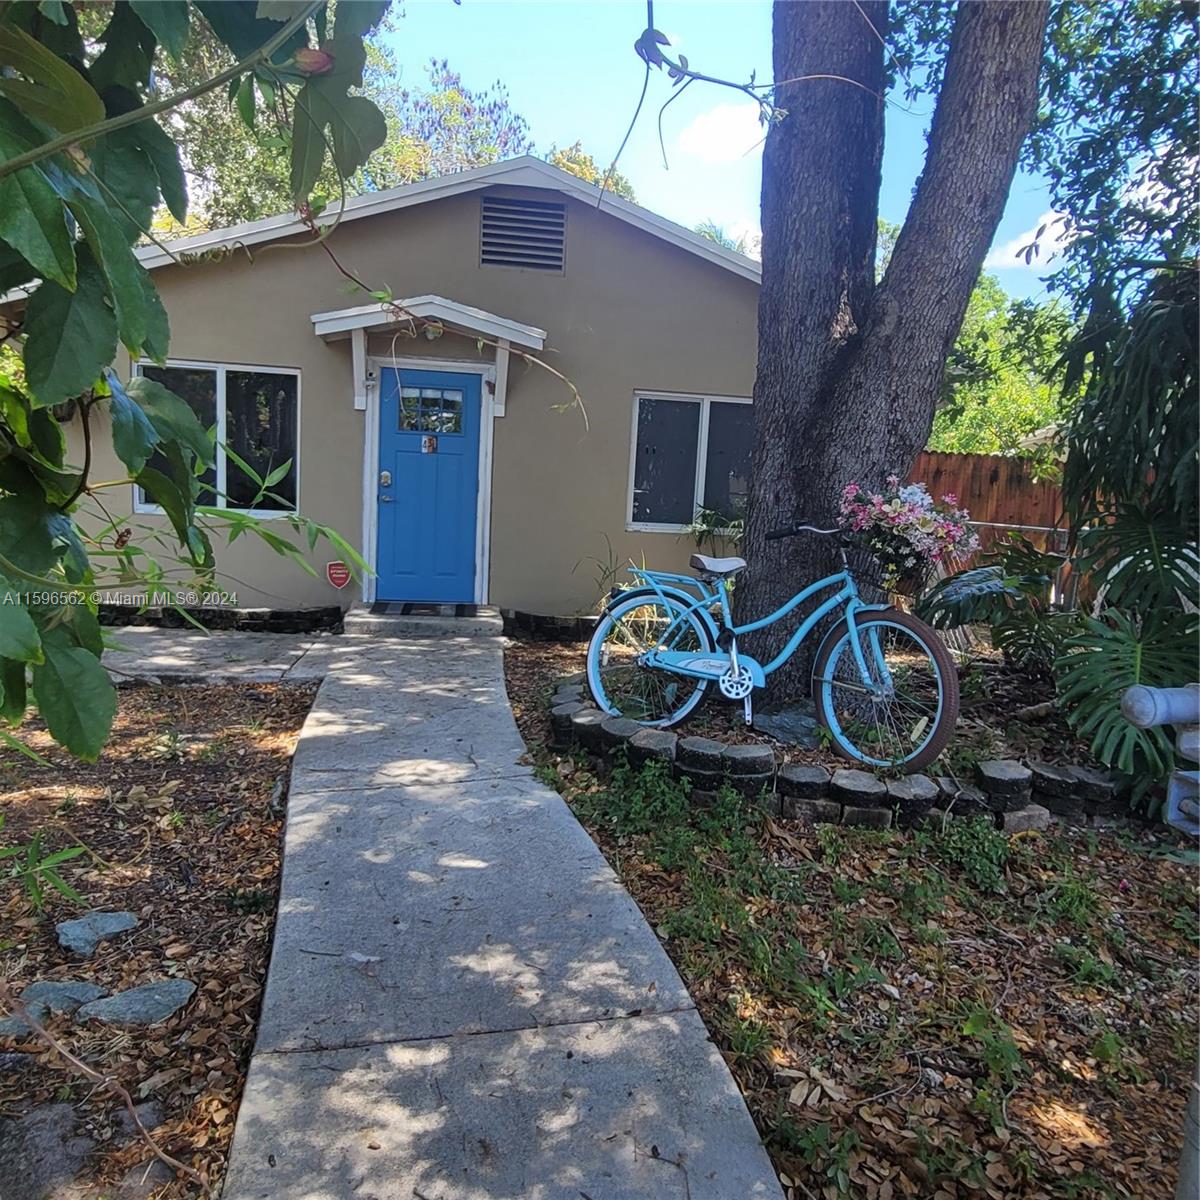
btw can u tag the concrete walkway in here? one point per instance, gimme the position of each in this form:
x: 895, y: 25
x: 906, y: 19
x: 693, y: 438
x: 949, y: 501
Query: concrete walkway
x: 463, y: 1002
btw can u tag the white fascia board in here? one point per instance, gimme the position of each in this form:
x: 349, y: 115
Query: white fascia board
x: 341, y: 322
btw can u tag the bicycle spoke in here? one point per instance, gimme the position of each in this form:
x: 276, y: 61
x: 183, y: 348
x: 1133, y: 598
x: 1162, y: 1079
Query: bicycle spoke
x: 887, y: 716
x: 649, y: 694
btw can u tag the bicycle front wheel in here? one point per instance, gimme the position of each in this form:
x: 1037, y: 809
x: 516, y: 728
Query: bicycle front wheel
x: 621, y: 683
x: 901, y: 714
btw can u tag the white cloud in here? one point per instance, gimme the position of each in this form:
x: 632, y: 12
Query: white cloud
x: 723, y: 134
x: 1011, y: 254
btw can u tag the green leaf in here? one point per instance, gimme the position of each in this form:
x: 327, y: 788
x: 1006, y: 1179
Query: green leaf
x: 352, y: 22
x: 359, y: 129
x: 978, y: 1022
x: 32, y: 219
x: 69, y: 547
x: 52, y: 91
x: 134, y: 437
x: 70, y: 337
x: 60, y: 885
x: 1115, y: 653
x: 75, y: 698
x: 130, y: 182
x: 12, y: 691
x: 173, y: 418
x: 167, y: 20
x: 128, y: 52
x: 245, y: 100
x: 60, y: 856
x: 356, y: 129
x: 25, y: 535
x: 235, y: 22
x: 308, y: 141
x: 158, y: 328
x: 163, y: 153
x: 279, y: 10
x: 121, y: 269
x: 18, y: 634
x: 54, y: 9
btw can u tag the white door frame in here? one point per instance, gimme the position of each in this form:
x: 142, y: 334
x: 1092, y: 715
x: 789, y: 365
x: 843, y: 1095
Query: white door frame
x: 489, y: 403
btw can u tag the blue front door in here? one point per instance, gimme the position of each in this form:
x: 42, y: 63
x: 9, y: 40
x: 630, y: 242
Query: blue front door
x: 428, y: 485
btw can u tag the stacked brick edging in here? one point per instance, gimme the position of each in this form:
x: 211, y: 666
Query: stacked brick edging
x: 1015, y: 796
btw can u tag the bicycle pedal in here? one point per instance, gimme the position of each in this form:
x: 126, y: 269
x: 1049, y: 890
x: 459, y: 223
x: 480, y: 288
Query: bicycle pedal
x: 748, y: 708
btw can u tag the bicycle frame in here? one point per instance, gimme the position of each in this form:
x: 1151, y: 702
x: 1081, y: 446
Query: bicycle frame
x: 707, y: 666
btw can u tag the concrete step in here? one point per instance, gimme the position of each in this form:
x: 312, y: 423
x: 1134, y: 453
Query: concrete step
x: 486, y: 622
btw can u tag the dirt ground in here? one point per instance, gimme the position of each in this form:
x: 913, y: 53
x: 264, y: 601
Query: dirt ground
x: 181, y: 821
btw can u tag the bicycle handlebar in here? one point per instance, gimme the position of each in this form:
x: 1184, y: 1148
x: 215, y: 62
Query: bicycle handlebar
x: 793, y: 530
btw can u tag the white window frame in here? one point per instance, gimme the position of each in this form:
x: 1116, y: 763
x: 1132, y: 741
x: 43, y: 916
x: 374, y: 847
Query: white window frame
x: 144, y: 508
x: 705, y: 403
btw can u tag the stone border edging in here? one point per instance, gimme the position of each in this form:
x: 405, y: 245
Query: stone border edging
x: 548, y: 628
x: 1016, y: 796
x: 325, y: 618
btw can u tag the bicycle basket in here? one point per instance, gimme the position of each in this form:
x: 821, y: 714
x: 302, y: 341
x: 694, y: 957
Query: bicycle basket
x: 885, y: 575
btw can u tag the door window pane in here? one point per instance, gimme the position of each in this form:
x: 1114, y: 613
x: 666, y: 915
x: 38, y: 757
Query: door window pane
x: 664, y: 474
x: 727, y: 470
x: 430, y: 410
x: 260, y: 428
x: 197, y: 387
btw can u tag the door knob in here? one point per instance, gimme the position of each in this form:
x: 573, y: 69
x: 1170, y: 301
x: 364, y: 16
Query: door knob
x: 385, y: 479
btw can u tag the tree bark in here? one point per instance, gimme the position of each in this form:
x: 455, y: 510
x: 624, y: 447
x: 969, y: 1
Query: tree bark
x: 849, y: 372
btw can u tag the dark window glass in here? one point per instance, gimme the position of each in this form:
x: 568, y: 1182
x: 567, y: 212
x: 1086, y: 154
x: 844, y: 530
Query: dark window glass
x: 664, y: 471
x: 197, y: 387
x: 727, y: 471
x: 260, y: 428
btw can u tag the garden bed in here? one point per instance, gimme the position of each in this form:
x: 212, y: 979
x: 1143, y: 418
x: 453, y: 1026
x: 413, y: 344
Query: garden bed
x: 944, y: 1012
x: 181, y: 819
x: 1004, y: 714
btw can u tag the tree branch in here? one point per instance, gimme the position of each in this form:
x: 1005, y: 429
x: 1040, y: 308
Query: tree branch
x: 111, y: 124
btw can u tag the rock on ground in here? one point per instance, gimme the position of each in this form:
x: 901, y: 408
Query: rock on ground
x: 84, y: 934
x: 145, y: 1005
x: 41, y: 1153
x: 50, y: 996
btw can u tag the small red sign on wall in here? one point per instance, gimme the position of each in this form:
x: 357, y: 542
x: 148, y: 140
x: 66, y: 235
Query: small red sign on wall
x: 337, y: 573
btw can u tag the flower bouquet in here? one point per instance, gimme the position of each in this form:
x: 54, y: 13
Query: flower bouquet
x: 906, y: 530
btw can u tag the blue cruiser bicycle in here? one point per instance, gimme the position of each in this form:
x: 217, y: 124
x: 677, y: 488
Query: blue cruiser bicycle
x: 884, y: 684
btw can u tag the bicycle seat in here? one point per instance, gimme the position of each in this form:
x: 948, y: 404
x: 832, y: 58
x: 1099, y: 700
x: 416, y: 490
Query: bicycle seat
x: 719, y: 567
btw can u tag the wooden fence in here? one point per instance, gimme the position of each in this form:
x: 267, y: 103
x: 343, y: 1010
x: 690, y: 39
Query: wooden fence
x: 1000, y: 494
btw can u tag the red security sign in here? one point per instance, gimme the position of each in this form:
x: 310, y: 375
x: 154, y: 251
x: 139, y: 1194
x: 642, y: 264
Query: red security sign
x: 337, y: 573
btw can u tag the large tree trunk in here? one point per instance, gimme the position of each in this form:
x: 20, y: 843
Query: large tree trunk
x: 849, y: 372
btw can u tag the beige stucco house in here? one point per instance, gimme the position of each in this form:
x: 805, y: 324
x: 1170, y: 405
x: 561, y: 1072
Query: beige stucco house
x: 462, y: 471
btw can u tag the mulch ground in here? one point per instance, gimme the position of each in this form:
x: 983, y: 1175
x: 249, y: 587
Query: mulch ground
x: 942, y: 1014
x: 181, y: 818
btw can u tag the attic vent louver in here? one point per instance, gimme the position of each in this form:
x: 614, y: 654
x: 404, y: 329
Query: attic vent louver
x: 522, y: 233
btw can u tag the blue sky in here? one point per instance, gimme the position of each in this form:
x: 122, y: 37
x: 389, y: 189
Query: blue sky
x: 572, y: 73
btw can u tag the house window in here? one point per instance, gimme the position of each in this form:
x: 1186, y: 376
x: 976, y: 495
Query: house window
x: 255, y: 413
x: 689, y: 452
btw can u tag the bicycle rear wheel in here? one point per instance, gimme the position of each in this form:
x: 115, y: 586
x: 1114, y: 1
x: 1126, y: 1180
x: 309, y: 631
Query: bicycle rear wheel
x: 621, y: 682
x: 903, y: 714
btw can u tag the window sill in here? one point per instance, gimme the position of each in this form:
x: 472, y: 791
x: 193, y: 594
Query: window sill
x: 262, y: 514
x: 653, y: 527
